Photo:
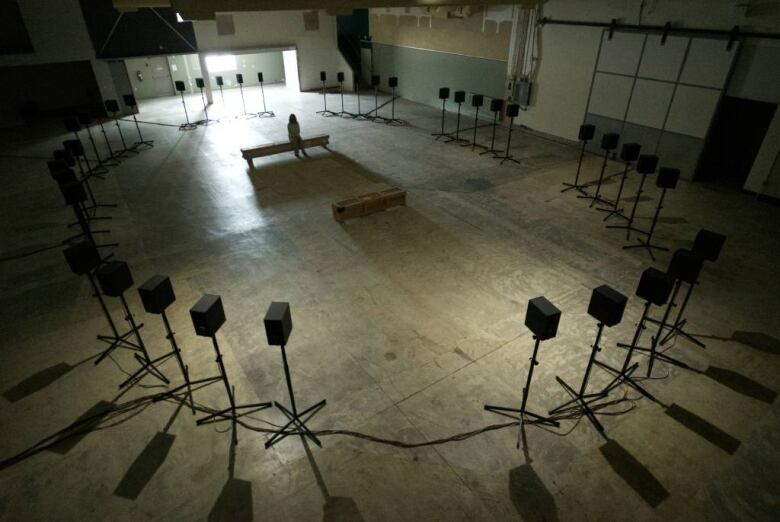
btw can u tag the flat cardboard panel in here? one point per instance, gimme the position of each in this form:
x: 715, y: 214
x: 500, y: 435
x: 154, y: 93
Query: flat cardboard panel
x: 663, y: 61
x: 692, y: 110
x: 708, y: 62
x: 649, y: 103
x: 610, y: 95
x: 621, y: 54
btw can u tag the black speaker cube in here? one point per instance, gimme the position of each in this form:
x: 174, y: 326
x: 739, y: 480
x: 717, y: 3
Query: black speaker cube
x: 375, y: 80
x: 114, y: 278
x: 199, y: 83
x: 655, y: 286
x: 180, y: 86
x: 444, y: 93
x: 82, y: 257
x: 74, y: 147
x: 73, y: 192
x: 392, y: 81
x: 340, y: 77
x: 220, y: 80
x: 477, y: 100
x: 112, y: 106
x: 64, y: 177
x: 72, y: 124
x: 260, y: 77
x: 609, y: 141
x: 129, y: 100
x: 323, y: 76
x: 542, y: 318
x: 607, y: 305
x: 157, y: 294
x: 239, y: 78
x: 460, y: 96
x: 278, y: 323
x: 685, y: 265
x: 66, y: 156
x: 496, y: 104
x: 512, y: 110
x: 630, y: 152
x: 207, y: 315
x: 647, y: 163
x: 56, y: 165
x: 587, y: 132
x: 708, y: 244
x: 667, y: 177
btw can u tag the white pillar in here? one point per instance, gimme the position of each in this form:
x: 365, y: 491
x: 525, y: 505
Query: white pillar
x: 204, y: 71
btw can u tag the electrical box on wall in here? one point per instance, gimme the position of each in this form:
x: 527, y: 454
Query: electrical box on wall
x: 522, y: 94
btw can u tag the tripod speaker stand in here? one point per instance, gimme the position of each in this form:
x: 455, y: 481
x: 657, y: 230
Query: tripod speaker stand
x: 207, y: 317
x: 278, y: 326
x: 606, y: 306
x: 76, y: 149
x: 375, y: 84
x: 129, y: 100
x: 112, y: 107
x: 476, y: 102
x: 200, y: 84
x: 542, y: 318
x: 75, y: 196
x: 512, y: 110
x: 266, y: 113
x: 444, y: 95
x: 685, y: 266
x: 496, y: 106
x: 707, y: 246
x: 609, y: 142
x: 74, y: 125
x: 645, y: 165
x: 459, y: 97
x: 240, y: 82
x: 325, y: 111
x: 629, y: 153
x: 220, y: 83
x: 86, y: 120
x: 654, y: 288
x: 184, y: 126
x: 340, y: 80
x: 587, y: 132
x: 667, y: 179
x: 392, y: 82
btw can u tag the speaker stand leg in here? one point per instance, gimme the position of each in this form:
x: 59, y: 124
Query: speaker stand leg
x: 576, y: 185
x: 596, y: 198
x: 141, y: 143
x: 266, y: 113
x: 492, y: 149
x: 615, y: 211
x: 647, y: 243
x: 441, y: 134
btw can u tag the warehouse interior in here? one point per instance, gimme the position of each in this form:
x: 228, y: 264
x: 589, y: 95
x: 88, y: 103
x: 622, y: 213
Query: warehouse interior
x: 506, y: 262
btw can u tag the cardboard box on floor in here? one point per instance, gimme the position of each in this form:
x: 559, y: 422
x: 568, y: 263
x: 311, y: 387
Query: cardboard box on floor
x: 369, y: 203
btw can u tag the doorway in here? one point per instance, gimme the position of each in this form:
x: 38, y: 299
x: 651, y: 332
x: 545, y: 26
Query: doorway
x: 737, y: 131
x: 290, y: 59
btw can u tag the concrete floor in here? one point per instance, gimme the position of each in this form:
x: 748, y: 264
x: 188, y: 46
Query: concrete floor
x: 407, y: 321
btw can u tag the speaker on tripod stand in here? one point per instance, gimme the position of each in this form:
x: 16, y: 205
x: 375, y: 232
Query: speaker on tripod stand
x: 266, y: 113
x: 200, y: 84
x: 476, y: 101
x: 496, y: 106
x: 629, y: 153
x: 606, y: 306
x: 392, y: 82
x: 645, y: 166
x: 240, y: 82
x: 207, y: 317
x: 609, y: 142
x: 340, y: 80
x: 86, y: 120
x: 180, y: 87
x: 586, y: 134
x: 375, y: 81
x: 129, y: 100
x: 325, y: 111
x: 666, y: 180
x: 459, y: 97
x: 73, y: 125
x: 221, y: 83
x: 542, y: 318
x: 444, y: 95
x: 112, y: 107
x: 512, y: 110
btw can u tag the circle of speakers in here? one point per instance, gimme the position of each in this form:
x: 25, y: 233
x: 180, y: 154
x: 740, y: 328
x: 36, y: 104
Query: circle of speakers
x: 260, y: 77
x: 460, y: 96
x: 609, y: 141
x: 392, y: 81
x: 444, y: 93
x: 667, y: 177
x: 220, y: 80
x: 199, y: 83
x: 647, y: 163
x: 496, y: 104
x: 512, y: 110
x: 477, y: 100
x: 587, y: 131
x: 630, y: 151
x: 239, y: 78
x: 180, y: 86
x: 323, y: 76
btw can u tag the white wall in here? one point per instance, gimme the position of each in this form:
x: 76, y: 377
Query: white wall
x: 59, y: 34
x: 317, y: 50
x: 568, y: 55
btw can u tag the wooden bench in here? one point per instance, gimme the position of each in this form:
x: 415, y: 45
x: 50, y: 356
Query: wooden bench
x: 269, y: 149
x: 366, y: 204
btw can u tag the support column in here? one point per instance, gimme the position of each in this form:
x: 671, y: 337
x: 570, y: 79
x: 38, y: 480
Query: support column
x: 204, y: 71
x: 517, y: 45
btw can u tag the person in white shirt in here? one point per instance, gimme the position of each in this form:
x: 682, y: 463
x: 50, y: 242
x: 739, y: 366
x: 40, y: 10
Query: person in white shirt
x: 294, y: 133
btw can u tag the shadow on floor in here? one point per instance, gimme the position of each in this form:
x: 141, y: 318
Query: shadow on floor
x: 760, y: 341
x: 148, y: 462
x: 741, y: 384
x: 531, y: 498
x: 36, y: 382
x: 234, y: 503
x: 634, y: 473
x: 68, y: 439
x: 704, y: 429
x: 336, y: 509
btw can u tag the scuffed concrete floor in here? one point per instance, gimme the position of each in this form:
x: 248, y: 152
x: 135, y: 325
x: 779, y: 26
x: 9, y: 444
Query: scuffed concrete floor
x: 407, y: 321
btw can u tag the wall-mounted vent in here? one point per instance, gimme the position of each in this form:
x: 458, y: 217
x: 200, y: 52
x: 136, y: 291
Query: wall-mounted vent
x: 311, y: 20
x: 225, y: 26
